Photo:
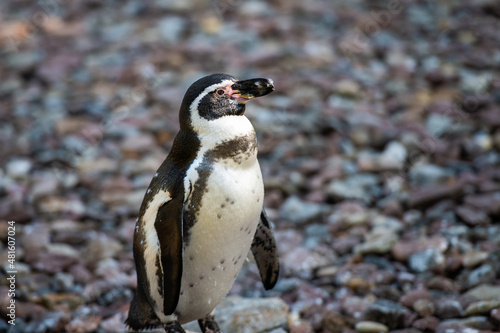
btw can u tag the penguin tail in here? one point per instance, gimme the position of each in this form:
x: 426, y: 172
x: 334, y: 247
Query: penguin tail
x: 141, y: 316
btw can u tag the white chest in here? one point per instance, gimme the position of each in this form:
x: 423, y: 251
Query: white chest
x: 221, y: 236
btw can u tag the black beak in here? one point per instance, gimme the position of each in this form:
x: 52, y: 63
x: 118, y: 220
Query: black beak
x: 245, y: 90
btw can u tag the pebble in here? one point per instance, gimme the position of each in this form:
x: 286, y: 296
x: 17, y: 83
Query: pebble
x: 474, y: 258
x: 448, y: 308
x: 171, y: 28
x: 377, y: 244
x: 472, y: 217
x: 428, y: 323
x: 101, y: 247
x: 84, y: 324
x: 465, y: 325
x: 426, y: 260
x: 18, y: 168
x: 403, y: 249
x: 248, y: 315
x: 411, y: 296
x: 371, y: 327
x: 484, y: 292
x: 114, y: 323
x: 54, y: 300
x: 481, y: 307
x: 386, y: 312
x: 356, y: 306
x: 424, y: 307
x: 335, y: 322
x: 393, y: 156
x: 300, y: 212
x: 480, y: 275
x: 429, y: 174
x: 360, y: 186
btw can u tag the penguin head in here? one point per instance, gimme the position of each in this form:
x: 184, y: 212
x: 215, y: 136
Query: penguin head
x: 219, y: 96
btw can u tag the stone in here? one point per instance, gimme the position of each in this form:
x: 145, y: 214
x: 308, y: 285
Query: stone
x: 472, y: 217
x: 117, y: 32
x: 426, y: 324
x: 355, y: 306
x: 335, y: 322
x: 371, y: 327
x: 249, y: 315
x: 439, y: 124
x: 424, y: 307
x: 489, y: 203
x: 393, y: 157
x: 481, y: 307
x: 480, y: 275
x: 404, y: 248
x: 101, y: 247
x: 84, y: 324
x: 377, y: 244
x: 171, y: 28
x: 426, y: 260
x: 448, y: 308
x: 300, y: 212
x: 347, y: 88
x: 432, y: 194
x: 386, y: 312
x: 484, y: 292
x: 53, y: 263
x: 429, y: 174
x: 495, y: 313
x: 114, y: 323
x: 465, y: 325
x: 411, y: 296
x: 18, y: 168
x: 386, y: 224
x: 54, y: 300
x: 303, y: 261
x: 474, y: 258
x: 359, y: 186
x: 443, y: 284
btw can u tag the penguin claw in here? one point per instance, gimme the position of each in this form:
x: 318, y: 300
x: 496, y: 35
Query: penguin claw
x: 209, y: 325
x: 174, y: 327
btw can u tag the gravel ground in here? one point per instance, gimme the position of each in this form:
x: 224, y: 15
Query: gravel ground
x: 379, y: 150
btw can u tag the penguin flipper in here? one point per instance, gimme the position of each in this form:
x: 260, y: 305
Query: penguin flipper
x: 168, y: 225
x: 265, y: 252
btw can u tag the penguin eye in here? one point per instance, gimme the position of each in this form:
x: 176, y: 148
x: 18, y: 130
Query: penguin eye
x: 220, y: 92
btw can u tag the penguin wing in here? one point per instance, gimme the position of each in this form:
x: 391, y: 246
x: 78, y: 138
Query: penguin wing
x: 168, y: 226
x: 265, y: 252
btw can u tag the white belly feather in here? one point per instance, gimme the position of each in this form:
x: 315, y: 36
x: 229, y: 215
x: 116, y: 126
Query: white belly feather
x: 221, y: 238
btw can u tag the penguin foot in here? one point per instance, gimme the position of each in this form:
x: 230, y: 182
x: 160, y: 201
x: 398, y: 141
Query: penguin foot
x: 174, y: 327
x: 209, y: 325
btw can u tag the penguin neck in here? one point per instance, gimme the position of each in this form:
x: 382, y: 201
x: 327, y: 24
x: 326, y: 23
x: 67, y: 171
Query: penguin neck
x: 212, y: 133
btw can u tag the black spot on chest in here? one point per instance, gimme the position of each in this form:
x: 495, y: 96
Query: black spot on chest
x: 241, y: 147
x: 237, y: 149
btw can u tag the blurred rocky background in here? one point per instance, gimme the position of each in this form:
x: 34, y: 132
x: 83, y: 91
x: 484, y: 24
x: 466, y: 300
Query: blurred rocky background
x: 379, y: 149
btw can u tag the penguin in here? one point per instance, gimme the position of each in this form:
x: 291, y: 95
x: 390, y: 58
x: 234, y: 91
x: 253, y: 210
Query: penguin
x: 203, y: 211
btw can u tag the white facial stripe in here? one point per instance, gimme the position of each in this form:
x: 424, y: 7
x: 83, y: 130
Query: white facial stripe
x: 213, y: 132
x: 152, y: 246
x: 194, y: 106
